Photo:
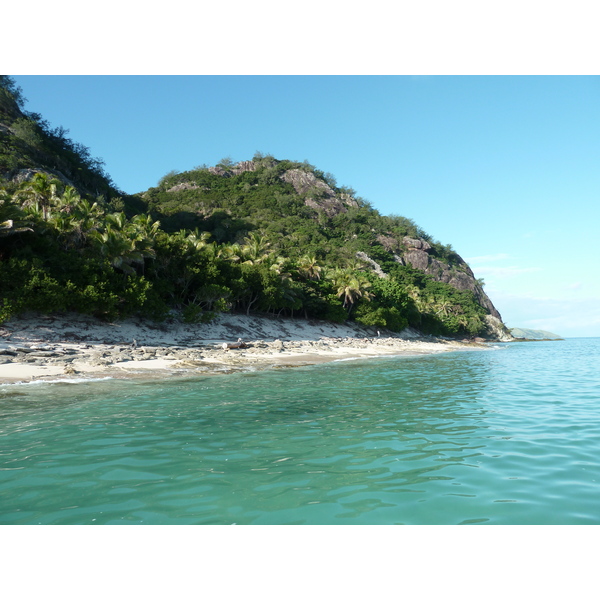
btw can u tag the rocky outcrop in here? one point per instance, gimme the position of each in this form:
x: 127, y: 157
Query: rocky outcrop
x: 303, y: 182
x: 389, y: 242
x: 241, y: 167
x: 220, y: 171
x: 374, y: 265
x: 459, y: 275
x: 497, y: 330
x: 186, y: 185
x: 27, y: 174
x: 317, y: 194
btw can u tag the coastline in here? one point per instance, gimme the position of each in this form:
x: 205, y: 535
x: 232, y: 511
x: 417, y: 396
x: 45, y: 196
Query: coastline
x: 75, y: 347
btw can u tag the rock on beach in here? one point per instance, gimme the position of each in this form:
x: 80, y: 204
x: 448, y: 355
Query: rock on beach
x: 38, y: 347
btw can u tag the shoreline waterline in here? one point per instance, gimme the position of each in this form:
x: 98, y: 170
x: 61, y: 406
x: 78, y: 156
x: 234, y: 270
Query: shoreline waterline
x: 18, y: 374
x: 75, y: 347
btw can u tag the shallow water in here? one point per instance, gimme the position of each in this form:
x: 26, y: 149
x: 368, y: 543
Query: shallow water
x: 509, y: 435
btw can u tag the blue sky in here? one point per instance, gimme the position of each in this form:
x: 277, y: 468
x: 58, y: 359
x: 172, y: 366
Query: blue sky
x: 503, y: 168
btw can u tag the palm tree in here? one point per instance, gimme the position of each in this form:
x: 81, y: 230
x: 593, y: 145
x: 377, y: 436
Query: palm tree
x: 197, y: 240
x: 89, y: 213
x: 143, y: 231
x: 64, y: 224
x: 41, y: 191
x: 118, y: 249
x: 413, y: 292
x: 116, y: 221
x: 443, y: 308
x: 423, y: 303
x: 308, y: 267
x: 86, y: 219
x: 125, y: 243
x: 462, y: 321
x: 279, y: 265
x: 230, y: 252
x: 68, y: 200
x: 10, y: 217
x: 144, y: 226
x: 350, y: 286
x: 356, y: 264
x: 255, y: 249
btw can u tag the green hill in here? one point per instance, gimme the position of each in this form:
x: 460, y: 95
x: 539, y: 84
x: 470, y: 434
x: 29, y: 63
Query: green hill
x: 265, y: 235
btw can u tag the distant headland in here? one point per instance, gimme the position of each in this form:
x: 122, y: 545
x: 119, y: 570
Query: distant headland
x: 533, y: 334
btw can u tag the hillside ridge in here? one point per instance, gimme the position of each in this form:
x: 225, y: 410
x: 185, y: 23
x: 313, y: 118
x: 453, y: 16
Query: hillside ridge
x: 323, y: 199
x: 264, y: 236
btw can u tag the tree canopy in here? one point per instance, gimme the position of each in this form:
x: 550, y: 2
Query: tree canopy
x: 270, y: 236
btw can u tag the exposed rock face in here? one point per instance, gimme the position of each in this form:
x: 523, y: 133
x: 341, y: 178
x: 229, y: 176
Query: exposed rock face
x: 459, y: 276
x: 390, y: 243
x: 318, y: 194
x: 375, y: 266
x: 220, y: 171
x: 186, y: 185
x: 497, y: 330
x: 245, y: 165
x: 303, y: 182
x: 27, y: 175
x: 241, y: 167
x: 417, y: 244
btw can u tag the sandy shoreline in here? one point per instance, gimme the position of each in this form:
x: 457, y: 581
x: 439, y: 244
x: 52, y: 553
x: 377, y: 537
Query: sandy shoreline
x: 50, y: 347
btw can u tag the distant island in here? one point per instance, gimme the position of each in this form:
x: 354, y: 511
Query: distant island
x: 533, y: 334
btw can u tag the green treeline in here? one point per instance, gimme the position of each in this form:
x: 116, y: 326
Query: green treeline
x: 60, y: 251
x: 205, y: 241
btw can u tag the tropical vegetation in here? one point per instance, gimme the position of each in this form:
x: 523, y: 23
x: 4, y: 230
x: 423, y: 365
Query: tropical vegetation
x: 269, y: 236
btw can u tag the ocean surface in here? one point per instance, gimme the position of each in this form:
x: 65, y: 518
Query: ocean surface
x: 508, y: 435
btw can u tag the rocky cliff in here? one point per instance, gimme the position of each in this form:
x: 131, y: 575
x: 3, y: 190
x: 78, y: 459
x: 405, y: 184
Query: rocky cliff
x: 417, y: 253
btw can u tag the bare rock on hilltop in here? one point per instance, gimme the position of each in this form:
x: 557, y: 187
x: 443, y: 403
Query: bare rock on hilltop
x: 317, y: 193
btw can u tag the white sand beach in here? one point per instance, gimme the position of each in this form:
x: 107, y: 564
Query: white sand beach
x: 50, y: 347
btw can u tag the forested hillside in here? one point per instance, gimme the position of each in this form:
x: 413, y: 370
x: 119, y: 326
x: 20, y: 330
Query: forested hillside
x: 264, y: 236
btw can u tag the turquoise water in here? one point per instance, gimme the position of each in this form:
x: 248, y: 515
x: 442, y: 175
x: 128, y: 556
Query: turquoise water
x: 510, y: 435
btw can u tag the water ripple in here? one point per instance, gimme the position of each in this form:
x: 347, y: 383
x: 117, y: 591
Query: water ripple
x: 506, y: 436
